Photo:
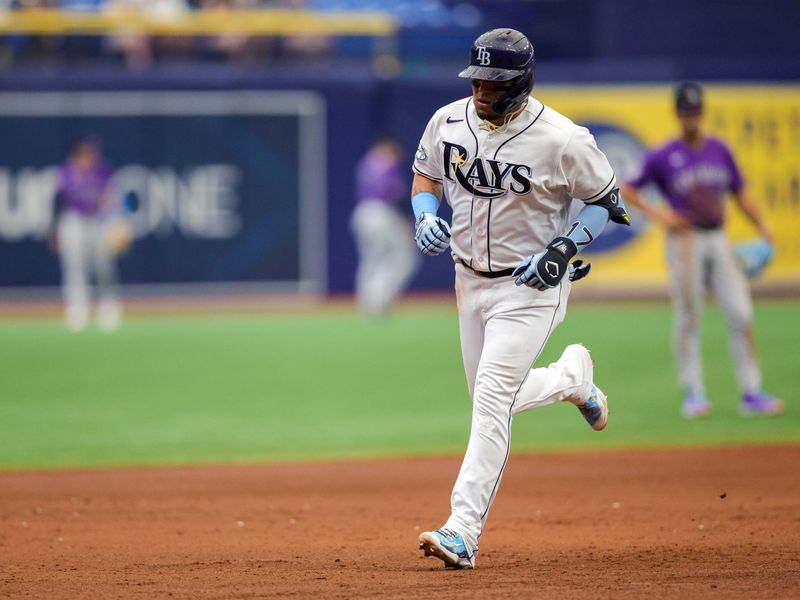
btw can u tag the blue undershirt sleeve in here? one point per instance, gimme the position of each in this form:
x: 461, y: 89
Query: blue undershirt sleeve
x: 589, y: 223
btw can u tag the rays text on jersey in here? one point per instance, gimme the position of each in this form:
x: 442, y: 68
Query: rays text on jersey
x: 484, y: 178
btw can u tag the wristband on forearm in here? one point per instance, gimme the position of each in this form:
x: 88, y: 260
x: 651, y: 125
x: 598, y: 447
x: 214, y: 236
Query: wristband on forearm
x: 423, y: 202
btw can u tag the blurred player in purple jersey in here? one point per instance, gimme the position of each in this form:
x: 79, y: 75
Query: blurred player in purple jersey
x: 83, y: 201
x: 694, y: 174
x: 388, y: 257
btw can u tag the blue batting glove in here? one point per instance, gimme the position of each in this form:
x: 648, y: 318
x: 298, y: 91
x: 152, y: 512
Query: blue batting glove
x: 432, y: 234
x: 526, y: 272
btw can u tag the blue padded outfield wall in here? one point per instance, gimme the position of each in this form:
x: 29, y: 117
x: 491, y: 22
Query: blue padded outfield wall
x: 224, y: 187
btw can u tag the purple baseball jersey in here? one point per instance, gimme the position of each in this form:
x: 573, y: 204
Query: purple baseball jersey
x: 694, y: 181
x: 81, y: 190
x: 380, y: 179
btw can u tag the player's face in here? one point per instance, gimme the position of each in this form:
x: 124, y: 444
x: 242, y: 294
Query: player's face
x: 690, y: 123
x: 483, y: 93
x: 86, y: 155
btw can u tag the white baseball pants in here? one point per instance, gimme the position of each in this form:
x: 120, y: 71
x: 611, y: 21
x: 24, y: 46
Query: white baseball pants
x: 704, y: 258
x: 387, y: 255
x: 84, y: 256
x: 503, y: 330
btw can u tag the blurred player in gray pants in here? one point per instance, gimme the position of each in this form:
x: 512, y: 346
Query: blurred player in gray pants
x: 388, y: 257
x: 82, y: 237
x: 694, y: 174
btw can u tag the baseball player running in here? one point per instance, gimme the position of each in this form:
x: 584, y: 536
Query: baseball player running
x: 694, y: 173
x: 509, y: 166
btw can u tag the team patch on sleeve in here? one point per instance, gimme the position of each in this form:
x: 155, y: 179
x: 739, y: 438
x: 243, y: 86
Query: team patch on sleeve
x: 421, y: 154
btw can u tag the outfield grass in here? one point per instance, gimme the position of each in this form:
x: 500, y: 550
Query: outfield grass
x: 244, y: 389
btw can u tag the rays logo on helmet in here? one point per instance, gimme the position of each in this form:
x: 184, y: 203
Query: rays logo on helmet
x: 483, y: 57
x: 484, y: 178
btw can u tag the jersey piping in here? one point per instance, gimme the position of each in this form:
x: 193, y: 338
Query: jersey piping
x: 425, y: 174
x: 590, y: 198
x: 536, y: 118
x: 472, y: 201
x: 488, y: 236
x: 489, y: 215
x: 514, y: 401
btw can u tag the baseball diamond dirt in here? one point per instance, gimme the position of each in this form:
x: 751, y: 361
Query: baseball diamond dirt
x: 717, y: 523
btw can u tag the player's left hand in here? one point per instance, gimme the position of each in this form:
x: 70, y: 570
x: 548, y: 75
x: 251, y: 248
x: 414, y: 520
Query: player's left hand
x: 547, y: 268
x: 117, y: 236
x: 527, y: 272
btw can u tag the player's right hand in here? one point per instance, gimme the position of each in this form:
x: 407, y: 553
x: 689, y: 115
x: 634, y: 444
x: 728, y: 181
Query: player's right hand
x: 432, y: 234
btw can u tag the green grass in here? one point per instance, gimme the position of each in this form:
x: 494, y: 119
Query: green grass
x: 328, y: 385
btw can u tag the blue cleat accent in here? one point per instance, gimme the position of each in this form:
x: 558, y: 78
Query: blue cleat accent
x: 595, y: 409
x: 695, y: 405
x: 449, y: 547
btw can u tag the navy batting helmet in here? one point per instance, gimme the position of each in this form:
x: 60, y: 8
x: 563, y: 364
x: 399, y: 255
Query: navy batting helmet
x: 503, y: 55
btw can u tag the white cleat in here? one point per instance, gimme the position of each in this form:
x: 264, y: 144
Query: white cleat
x: 695, y: 406
x: 594, y: 408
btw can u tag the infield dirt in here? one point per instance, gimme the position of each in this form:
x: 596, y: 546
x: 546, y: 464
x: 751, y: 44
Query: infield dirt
x: 721, y: 523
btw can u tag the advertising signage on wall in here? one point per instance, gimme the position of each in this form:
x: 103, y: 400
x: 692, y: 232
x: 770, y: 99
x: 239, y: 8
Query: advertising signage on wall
x: 223, y: 188
x: 761, y: 124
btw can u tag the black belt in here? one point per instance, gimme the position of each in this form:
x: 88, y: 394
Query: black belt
x: 489, y: 274
x: 698, y: 227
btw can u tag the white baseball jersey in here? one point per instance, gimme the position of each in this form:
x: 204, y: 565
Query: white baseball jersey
x: 510, y: 188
